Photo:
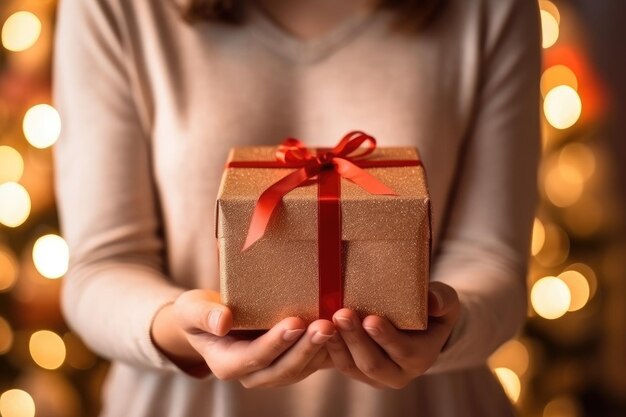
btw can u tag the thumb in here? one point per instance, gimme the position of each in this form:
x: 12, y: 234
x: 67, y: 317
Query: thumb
x: 442, y: 299
x: 200, y: 311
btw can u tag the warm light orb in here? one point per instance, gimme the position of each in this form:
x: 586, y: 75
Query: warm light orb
x: 17, y: 403
x: 557, y: 75
x: 564, y: 184
x: 512, y: 355
x: 510, y: 382
x: 550, y: 298
x: 549, y: 29
x: 562, y: 107
x: 47, y: 349
x: 14, y: 204
x: 562, y: 407
x: 11, y: 165
x: 551, y: 8
x: 42, y: 126
x: 8, y: 269
x: 578, y: 155
x: 6, y: 336
x: 578, y: 287
x: 20, y: 31
x: 51, y: 256
x: 539, y: 237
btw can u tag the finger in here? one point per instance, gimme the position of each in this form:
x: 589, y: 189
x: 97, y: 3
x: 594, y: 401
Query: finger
x: 232, y: 358
x: 343, y: 362
x: 290, y: 366
x: 200, y: 311
x: 367, y: 355
x: 412, y: 351
x: 442, y: 300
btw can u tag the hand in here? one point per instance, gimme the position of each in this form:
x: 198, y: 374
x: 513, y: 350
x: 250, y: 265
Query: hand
x: 197, y: 328
x: 375, y: 352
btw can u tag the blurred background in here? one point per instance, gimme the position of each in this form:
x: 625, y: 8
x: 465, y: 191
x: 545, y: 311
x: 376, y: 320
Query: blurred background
x: 570, y: 360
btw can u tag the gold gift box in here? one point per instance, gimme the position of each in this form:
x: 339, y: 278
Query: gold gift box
x: 385, y: 240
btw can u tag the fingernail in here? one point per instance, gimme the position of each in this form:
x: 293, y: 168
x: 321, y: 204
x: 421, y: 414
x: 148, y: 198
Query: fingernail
x: 292, y: 334
x: 344, y: 323
x: 318, y: 338
x: 374, y: 331
x: 214, y: 320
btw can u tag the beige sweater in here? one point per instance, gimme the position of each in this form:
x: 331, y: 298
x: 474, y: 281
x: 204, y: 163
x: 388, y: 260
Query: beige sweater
x: 150, y: 107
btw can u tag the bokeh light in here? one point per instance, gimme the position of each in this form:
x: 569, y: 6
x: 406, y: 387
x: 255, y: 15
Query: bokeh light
x: 562, y: 407
x: 8, y: 269
x: 555, y: 248
x: 510, y: 383
x: 47, y: 349
x: 588, y: 273
x: 551, y: 8
x: 512, y: 355
x: 16, y: 403
x: 578, y: 287
x: 557, y: 75
x: 539, y: 237
x: 51, y: 256
x: 580, y: 156
x: 562, y: 107
x: 11, y: 165
x: 42, y: 126
x: 6, y: 336
x: 549, y: 29
x: 14, y: 204
x: 20, y: 31
x: 564, y: 184
x: 550, y: 297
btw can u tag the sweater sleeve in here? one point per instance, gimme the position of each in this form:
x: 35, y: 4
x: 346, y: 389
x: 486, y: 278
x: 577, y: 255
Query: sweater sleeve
x: 106, y: 196
x: 485, y: 246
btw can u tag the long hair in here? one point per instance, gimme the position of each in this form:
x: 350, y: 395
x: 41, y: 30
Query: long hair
x: 412, y: 15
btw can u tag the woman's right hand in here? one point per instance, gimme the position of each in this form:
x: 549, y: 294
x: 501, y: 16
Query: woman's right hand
x: 195, y: 328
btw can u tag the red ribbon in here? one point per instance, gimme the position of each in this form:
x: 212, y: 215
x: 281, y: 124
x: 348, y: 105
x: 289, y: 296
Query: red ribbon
x: 326, y: 167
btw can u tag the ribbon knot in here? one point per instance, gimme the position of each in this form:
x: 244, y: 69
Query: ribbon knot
x: 292, y: 153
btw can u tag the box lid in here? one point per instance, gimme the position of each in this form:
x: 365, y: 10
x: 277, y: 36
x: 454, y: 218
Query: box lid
x: 364, y: 216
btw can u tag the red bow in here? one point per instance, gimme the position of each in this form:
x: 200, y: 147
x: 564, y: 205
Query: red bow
x: 340, y: 159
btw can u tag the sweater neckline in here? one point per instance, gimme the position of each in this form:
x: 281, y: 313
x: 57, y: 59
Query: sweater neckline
x: 304, y: 51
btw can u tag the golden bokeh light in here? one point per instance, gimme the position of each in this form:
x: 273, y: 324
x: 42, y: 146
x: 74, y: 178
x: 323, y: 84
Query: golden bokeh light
x: 588, y: 273
x: 8, y: 269
x: 539, y: 237
x: 580, y: 156
x: 562, y: 107
x: 510, y: 383
x: 551, y: 8
x: 562, y: 407
x: 556, y: 247
x: 557, y: 75
x: 20, y: 31
x: 578, y: 288
x: 16, y: 403
x: 47, y: 349
x: 550, y: 298
x: 51, y: 256
x: 549, y: 29
x: 42, y: 126
x: 14, y: 204
x: 512, y: 355
x: 6, y: 336
x: 11, y: 165
x: 563, y: 184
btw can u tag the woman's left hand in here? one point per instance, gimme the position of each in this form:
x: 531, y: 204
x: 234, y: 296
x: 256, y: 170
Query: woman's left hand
x: 375, y: 352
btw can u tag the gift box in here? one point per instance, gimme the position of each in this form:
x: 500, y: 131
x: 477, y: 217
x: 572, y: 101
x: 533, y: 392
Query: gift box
x: 303, y: 232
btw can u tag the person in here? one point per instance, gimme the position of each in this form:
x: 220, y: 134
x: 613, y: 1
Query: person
x: 153, y: 94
